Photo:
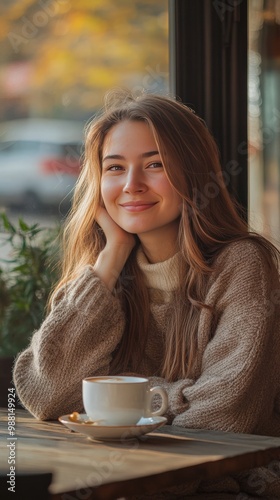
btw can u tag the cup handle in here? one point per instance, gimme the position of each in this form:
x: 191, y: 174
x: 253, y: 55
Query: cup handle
x: 164, y: 398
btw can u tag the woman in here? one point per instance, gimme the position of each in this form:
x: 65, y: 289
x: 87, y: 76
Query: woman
x: 161, y: 277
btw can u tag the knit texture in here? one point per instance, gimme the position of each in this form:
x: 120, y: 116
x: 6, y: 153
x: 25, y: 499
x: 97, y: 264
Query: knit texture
x: 237, y: 381
x: 162, y: 275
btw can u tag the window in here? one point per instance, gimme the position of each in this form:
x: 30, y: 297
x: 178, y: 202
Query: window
x: 264, y: 117
x: 58, y: 58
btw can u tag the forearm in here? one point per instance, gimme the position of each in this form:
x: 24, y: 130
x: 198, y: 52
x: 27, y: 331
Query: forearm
x: 237, y: 387
x: 75, y: 340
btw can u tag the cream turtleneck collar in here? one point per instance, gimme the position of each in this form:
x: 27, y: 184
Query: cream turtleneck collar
x: 162, y: 275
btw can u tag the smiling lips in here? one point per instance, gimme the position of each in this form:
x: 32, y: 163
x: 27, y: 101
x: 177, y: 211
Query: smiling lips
x: 137, y: 206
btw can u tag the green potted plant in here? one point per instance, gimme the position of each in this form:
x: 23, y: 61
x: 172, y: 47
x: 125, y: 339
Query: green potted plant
x: 26, y: 279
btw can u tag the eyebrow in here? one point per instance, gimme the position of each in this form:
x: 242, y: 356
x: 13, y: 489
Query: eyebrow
x: 148, y: 154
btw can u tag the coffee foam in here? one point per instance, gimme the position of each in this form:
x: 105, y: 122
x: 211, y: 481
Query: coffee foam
x: 106, y: 379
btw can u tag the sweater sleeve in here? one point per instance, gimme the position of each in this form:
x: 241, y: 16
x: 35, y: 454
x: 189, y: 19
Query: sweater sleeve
x: 76, y: 340
x: 240, y: 371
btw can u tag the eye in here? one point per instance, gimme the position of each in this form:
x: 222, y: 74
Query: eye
x: 113, y: 168
x: 155, y: 164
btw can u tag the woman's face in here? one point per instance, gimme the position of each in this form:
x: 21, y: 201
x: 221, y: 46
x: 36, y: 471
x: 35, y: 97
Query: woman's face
x: 135, y: 189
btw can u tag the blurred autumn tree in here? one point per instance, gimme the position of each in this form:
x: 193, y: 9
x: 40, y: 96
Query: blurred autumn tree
x: 58, y: 57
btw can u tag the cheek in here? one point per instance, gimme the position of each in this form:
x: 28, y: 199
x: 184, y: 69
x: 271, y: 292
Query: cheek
x: 108, y: 194
x: 176, y: 202
x: 102, y: 193
x: 169, y: 193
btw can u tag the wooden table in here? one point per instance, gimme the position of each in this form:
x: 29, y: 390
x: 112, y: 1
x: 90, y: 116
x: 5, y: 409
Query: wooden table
x: 166, y: 457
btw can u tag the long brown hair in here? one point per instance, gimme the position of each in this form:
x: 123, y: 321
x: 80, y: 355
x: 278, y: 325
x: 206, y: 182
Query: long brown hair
x: 209, y: 221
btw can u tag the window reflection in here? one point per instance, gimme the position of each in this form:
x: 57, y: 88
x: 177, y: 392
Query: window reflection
x: 264, y: 116
x: 57, y: 61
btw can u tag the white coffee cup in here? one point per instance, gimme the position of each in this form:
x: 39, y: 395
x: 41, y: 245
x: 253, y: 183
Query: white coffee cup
x: 120, y: 400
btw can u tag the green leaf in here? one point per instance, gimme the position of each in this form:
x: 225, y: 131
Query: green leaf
x: 23, y: 226
x: 26, y: 279
x: 7, y: 224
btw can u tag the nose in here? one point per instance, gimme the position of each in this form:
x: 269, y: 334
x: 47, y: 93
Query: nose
x: 134, y: 183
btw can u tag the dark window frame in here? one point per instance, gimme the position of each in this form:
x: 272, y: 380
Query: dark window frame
x: 208, y: 72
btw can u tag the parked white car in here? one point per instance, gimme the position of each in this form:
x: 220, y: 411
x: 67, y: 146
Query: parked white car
x: 39, y: 162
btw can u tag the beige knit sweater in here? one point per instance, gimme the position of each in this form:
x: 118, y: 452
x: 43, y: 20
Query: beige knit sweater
x: 237, y: 384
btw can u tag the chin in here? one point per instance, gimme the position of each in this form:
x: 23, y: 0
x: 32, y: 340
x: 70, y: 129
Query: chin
x: 132, y: 230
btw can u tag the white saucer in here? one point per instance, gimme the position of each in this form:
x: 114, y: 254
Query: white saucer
x: 113, y: 432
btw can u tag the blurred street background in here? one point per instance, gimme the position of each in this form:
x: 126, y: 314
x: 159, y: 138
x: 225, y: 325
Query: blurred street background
x: 57, y: 60
x: 59, y: 57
